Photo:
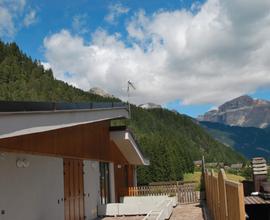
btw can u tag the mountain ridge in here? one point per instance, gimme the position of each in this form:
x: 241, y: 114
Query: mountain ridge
x: 242, y: 111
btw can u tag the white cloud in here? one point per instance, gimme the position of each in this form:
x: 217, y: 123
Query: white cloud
x: 79, y: 24
x: 46, y: 65
x: 30, y: 18
x: 115, y: 11
x: 12, y: 17
x: 216, y: 54
x: 6, y: 23
x: 13, y: 5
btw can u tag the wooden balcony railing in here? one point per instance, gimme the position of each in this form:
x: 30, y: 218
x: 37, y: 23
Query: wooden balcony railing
x: 184, y: 191
x: 152, y: 190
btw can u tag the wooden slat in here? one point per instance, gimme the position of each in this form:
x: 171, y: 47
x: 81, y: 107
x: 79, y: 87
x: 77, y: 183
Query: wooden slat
x: 186, y: 192
x: 73, y: 189
x: 76, y: 189
x: 81, y: 178
x: 66, y: 190
x: 88, y: 141
x: 225, y: 198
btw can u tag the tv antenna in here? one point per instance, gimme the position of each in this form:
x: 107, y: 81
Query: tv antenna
x: 129, y: 85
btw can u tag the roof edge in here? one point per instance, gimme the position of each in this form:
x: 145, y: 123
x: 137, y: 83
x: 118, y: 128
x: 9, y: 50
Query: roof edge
x: 126, y: 135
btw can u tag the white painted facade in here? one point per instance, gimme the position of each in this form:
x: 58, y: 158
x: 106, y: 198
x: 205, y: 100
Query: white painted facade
x: 112, y: 182
x: 36, y: 191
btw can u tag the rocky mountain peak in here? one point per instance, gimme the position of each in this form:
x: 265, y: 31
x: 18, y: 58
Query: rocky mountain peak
x: 239, y: 102
x: 242, y: 111
x: 101, y: 92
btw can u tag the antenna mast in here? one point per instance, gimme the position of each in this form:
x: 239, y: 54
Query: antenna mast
x: 129, y: 85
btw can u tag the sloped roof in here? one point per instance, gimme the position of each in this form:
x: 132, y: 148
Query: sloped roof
x: 128, y: 146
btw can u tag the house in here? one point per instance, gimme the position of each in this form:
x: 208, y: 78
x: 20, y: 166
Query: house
x: 213, y: 164
x: 197, y: 163
x: 237, y: 166
x: 60, y: 161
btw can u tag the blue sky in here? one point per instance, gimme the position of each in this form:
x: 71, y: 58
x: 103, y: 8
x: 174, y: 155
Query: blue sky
x: 186, y: 55
x: 53, y: 16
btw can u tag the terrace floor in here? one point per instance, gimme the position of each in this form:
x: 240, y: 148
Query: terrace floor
x: 123, y: 218
x: 180, y: 212
x: 187, y: 212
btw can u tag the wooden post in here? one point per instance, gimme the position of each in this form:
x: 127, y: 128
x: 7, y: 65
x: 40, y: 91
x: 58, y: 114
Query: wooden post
x: 222, y: 195
x: 235, y: 200
x: 209, y: 191
x: 241, y: 202
x: 214, y: 195
x: 225, y: 198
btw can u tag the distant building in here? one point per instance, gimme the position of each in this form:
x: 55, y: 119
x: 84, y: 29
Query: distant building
x: 211, y: 164
x: 150, y: 105
x: 197, y: 163
x: 226, y: 167
x: 221, y: 164
x: 237, y: 166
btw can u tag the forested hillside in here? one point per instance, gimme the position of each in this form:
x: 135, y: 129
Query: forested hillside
x: 171, y: 141
x: 24, y: 79
x: 250, y: 141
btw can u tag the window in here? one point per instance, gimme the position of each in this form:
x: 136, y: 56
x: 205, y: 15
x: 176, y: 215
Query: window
x: 104, y: 183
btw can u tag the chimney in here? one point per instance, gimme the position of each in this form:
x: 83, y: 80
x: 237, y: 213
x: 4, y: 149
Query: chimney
x: 259, y: 169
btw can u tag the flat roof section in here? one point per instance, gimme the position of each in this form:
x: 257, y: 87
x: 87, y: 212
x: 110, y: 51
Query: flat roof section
x: 25, y: 106
x: 20, y: 118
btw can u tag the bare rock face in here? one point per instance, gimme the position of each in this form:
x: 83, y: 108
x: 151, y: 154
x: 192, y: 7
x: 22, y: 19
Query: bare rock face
x: 243, y: 111
x: 101, y: 92
x: 150, y: 105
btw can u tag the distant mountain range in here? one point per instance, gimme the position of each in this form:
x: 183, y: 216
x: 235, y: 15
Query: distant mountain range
x: 243, y: 111
x: 242, y: 123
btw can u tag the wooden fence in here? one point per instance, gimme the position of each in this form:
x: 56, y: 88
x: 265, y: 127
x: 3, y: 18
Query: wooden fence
x: 185, y: 192
x: 225, y: 198
x: 152, y: 190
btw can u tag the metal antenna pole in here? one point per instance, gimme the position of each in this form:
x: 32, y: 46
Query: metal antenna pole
x: 129, y: 84
x: 129, y: 111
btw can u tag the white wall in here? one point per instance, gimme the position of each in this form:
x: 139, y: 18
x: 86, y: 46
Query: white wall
x: 91, y: 188
x: 31, y: 193
x: 112, y: 182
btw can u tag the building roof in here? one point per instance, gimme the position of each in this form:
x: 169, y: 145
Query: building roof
x: 128, y: 145
x: 26, y: 106
x: 20, y: 118
x: 255, y: 200
x: 236, y: 166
